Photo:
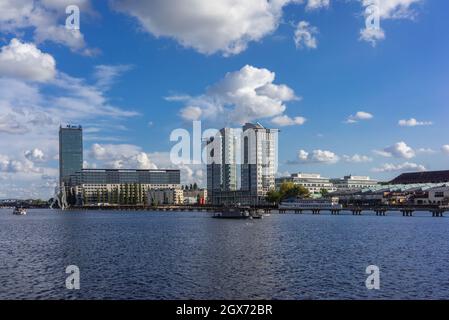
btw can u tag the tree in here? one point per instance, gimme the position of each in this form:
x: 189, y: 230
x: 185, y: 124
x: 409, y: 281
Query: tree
x: 324, y: 193
x: 195, y: 186
x: 274, y: 196
x: 291, y: 190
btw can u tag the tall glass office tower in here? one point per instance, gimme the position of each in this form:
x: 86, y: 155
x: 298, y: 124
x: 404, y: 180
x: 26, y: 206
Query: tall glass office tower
x: 70, y: 152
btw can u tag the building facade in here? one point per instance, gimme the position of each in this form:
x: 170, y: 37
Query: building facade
x: 159, y: 197
x: 253, y: 150
x: 70, y: 152
x: 354, y: 183
x: 121, y: 186
x: 259, y: 160
x: 311, y: 181
x: 195, y: 196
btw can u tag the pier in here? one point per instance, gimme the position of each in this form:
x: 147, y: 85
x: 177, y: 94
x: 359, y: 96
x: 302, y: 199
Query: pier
x: 406, y: 211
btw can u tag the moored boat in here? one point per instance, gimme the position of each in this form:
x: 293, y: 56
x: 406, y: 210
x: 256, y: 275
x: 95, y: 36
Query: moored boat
x: 19, y: 211
x: 232, y: 213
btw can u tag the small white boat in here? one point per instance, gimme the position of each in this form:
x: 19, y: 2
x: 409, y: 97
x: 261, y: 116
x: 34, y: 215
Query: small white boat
x: 19, y: 211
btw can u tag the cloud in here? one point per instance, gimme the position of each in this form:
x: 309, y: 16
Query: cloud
x: 414, y: 123
x: 372, y: 35
x: 359, y: 116
x: 35, y: 155
x: 357, y: 158
x: 406, y: 166
x: 225, y: 26
x: 25, y: 61
x: 128, y: 156
x: 384, y: 10
x: 30, y: 115
x: 119, y: 156
x: 445, y: 149
x: 46, y: 19
x: 425, y: 150
x: 317, y: 4
x: 241, y: 96
x: 107, y: 75
x: 316, y: 156
x: 9, y: 165
x: 305, y: 36
x: 398, y: 150
x: 285, y: 120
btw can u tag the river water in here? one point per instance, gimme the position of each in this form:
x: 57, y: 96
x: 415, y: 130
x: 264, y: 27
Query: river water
x: 148, y: 255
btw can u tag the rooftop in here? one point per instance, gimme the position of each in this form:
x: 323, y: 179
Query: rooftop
x: 422, y: 177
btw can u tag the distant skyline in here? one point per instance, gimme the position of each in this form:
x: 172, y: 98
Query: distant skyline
x: 348, y: 100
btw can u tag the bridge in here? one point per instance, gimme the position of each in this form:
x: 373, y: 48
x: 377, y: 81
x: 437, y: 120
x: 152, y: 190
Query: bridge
x: 407, y: 211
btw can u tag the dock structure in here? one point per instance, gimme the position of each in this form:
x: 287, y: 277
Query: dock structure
x: 407, y: 211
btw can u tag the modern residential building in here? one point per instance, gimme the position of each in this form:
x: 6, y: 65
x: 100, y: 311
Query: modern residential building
x: 121, y: 186
x: 313, y: 182
x: 354, y: 183
x: 259, y: 160
x: 165, y: 197
x: 198, y: 196
x: 254, y: 151
x: 105, y: 186
x: 70, y: 152
x: 223, y: 150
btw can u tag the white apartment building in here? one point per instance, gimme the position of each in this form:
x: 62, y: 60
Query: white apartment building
x: 313, y: 182
x: 166, y: 197
x: 259, y: 160
x: 354, y: 183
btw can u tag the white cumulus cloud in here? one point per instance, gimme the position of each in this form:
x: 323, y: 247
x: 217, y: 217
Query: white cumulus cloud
x: 46, y: 20
x: 359, y: 116
x: 25, y: 61
x: 241, y: 96
x: 383, y: 10
x: 285, y: 120
x: 445, y: 149
x: 403, y: 167
x: 317, y: 4
x: 357, y: 158
x: 35, y: 155
x: 305, y: 36
x: 225, y: 26
x: 398, y: 150
x: 317, y: 156
x: 412, y: 122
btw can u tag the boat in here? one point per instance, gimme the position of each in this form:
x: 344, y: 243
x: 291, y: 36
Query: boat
x: 233, y: 213
x: 310, y: 204
x: 19, y: 211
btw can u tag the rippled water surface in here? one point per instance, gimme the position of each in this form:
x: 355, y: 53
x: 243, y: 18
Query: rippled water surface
x: 145, y: 255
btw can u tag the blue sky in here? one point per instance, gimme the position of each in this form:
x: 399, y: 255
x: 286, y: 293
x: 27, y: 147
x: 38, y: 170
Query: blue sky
x: 115, y: 76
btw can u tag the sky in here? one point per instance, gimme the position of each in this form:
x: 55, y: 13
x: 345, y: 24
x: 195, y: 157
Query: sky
x: 349, y: 98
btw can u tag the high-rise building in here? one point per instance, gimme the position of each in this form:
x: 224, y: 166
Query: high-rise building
x: 259, y: 164
x: 254, y: 150
x: 223, y: 150
x: 70, y: 152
